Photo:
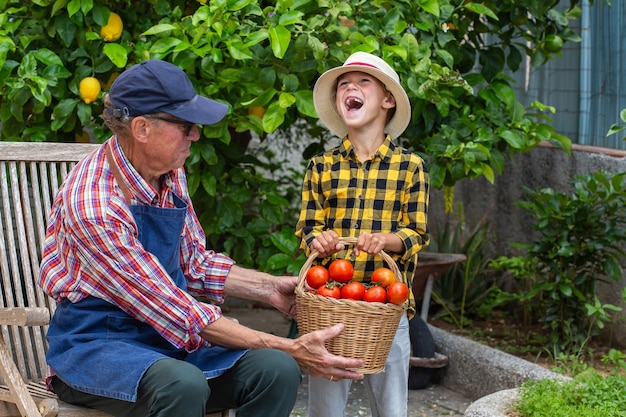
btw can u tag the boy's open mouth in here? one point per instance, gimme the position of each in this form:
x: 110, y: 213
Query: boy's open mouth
x: 353, y: 103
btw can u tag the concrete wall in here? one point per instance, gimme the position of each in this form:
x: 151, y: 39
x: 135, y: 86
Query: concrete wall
x: 542, y: 167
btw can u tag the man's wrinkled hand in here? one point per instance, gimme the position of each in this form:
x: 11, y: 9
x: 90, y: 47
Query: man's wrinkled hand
x: 312, y: 356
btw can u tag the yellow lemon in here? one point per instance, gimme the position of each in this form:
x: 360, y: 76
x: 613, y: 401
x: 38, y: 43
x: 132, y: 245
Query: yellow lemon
x: 89, y: 88
x: 113, y: 29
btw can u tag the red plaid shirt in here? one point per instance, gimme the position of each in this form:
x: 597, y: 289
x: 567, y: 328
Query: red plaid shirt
x: 92, y: 249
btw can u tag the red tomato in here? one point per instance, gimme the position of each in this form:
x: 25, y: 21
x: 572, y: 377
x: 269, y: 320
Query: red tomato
x: 397, y: 292
x: 383, y: 276
x: 329, y: 290
x: 341, y: 270
x: 375, y: 294
x: 353, y: 291
x: 316, y: 276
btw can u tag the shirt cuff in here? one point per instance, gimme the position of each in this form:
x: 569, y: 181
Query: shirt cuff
x: 201, y: 316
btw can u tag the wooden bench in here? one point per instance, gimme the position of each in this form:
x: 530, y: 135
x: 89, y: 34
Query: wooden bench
x: 30, y: 174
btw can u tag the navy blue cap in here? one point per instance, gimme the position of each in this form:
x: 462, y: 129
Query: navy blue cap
x: 156, y: 86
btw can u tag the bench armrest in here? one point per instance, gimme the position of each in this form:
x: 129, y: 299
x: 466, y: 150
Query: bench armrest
x: 24, y: 316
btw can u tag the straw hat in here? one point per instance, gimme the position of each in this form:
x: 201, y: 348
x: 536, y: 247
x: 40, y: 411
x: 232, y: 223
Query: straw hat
x: 325, y: 89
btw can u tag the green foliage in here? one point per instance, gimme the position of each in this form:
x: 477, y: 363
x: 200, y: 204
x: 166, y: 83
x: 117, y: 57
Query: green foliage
x: 248, y: 206
x: 452, y: 57
x: 579, y: 242
x: 588, y: 394
x: 467, y: 289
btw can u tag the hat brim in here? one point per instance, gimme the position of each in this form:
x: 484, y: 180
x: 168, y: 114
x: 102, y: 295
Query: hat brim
x: 199, y: 110
x: 324, y: 100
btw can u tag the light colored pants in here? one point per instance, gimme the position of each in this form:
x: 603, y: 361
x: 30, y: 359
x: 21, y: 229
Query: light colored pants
x: 387, y: 391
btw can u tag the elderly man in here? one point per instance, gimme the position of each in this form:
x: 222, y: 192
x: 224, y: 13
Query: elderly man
x: 125, y: 259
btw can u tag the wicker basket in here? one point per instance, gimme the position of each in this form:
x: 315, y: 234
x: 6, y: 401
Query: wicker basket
x: 369, y: 328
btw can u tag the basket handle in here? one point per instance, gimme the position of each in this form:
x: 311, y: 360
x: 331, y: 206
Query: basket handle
x: 345, y: 241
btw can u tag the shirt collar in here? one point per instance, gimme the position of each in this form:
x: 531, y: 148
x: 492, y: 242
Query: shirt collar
x: 139, y: 188
x: 384, y: 151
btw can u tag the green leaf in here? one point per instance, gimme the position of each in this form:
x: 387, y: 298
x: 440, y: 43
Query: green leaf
x: 160, y: 28
x: 290, y: 18
x: 54, y: 72
x: 270, y: 212
x: 615, y: 128
x: 504, y: 92
x: 235, y: 5
x: 431, y: 6
x: 446, y: 57
x: 566, y: 290
x: 66, y: 29
x: 47, y: 57
x: 286, y: 241
x: 207, y: 151
x: 58, y: 5
x: 304, y: 103
x: 86, y: 6
x: 64, y: 108
x: 286, y: 100
x: 487, y: 172
x: 512, y: 138
x: 278, y: 261
x: 165, y: 45
x: 479, y: 8
x: 280, y: 38
x: 73, y: 7
x: 229, y: 213
x: 83, y: 111
x: 514, y: 59
x: 255, y: 38
x: 116, y: 53
x: 209, y: 184
x: 274, y: 117
x: 238, y: 50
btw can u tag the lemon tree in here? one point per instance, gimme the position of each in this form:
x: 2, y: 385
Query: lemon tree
x: 258, y: 54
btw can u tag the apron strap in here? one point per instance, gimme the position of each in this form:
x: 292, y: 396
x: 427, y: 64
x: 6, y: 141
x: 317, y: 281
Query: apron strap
x: 118, y: 175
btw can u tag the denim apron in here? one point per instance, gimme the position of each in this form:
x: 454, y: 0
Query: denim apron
x: 95, y: 347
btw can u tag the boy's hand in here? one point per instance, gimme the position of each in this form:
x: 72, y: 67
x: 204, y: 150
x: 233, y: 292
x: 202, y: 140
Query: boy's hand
x: 374, y: 243
x: 371, y: 243
x: 326, y: 244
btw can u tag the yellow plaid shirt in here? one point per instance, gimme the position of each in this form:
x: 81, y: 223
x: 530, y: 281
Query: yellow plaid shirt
x: 386, y: 194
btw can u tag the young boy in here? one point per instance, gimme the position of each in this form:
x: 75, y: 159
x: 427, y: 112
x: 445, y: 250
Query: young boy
x: 368, y: 188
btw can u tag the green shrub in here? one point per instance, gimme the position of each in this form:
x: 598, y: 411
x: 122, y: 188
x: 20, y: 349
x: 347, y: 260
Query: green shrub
x: 579, y: 241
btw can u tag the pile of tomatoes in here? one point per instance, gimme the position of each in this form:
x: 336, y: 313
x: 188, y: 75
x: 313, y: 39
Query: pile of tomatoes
x: 336, y: 282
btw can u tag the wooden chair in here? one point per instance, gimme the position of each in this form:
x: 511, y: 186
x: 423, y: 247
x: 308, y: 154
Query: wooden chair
x: 30, y: 174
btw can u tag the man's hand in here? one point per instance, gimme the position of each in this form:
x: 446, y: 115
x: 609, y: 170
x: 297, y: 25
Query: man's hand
x: 311, y: 354
x: 283, y: 297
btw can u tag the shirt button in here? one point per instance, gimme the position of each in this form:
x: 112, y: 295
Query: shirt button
x: 356, y: 225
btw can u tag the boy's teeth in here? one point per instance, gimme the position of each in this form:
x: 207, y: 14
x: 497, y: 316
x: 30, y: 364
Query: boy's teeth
x: 353, y: 103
